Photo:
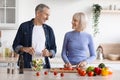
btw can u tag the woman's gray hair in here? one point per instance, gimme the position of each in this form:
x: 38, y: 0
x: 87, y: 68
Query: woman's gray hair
x: 82, y: 18
x: 40, y: 7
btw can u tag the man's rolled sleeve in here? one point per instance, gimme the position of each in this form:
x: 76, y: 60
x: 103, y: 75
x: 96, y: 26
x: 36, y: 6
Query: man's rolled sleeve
x: 53, y: 53
x: 17, y: 49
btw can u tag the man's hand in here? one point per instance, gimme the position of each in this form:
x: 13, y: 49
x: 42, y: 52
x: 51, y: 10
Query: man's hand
x: 29, y: 50
x: 46, y: 53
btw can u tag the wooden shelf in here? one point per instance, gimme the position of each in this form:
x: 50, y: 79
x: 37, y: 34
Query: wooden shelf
x: 110, y: 11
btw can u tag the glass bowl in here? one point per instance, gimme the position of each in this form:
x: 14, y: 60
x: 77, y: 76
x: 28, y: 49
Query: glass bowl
x: 37, y: 64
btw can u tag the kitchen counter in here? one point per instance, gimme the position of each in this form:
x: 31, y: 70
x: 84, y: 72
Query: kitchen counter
x: 59, y: 60
x: 106, y: 61
x: 31, y: 75
x: 4, y: 61
x: 8, y: 59
x: 56, y: 60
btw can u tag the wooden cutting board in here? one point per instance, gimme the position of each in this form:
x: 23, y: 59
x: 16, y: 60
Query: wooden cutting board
x: 59, y: 70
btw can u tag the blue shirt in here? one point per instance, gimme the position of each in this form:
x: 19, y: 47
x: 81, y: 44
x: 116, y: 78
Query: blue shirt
x: 76, y: 45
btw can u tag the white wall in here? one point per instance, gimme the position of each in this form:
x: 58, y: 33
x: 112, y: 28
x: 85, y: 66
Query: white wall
x: 61, y: 16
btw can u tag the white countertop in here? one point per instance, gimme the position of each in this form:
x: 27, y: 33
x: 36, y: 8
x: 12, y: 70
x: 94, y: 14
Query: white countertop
x: 59, y: 60
x: 8, y: 59
x: 30, y: 75
x: 55, y: 60
x: 106, y: 61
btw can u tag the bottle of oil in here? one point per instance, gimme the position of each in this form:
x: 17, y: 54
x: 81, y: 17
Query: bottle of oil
x: 21, y: 64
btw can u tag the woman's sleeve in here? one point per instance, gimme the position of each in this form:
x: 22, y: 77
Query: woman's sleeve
x: 91, y: 50
x: 64, y: 49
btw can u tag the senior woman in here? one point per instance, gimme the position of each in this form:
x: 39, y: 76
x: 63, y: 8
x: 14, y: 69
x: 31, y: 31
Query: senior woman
x: 77, y: 43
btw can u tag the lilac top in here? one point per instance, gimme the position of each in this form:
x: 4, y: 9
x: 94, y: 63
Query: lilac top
x: 76, y: 46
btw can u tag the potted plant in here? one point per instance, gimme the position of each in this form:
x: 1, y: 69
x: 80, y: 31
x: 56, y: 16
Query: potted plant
x: 96, y: 8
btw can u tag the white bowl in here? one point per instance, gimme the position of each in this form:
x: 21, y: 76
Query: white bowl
x: 113, y: 56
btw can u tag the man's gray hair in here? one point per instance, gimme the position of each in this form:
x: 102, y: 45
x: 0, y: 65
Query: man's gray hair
x: 40, y: 7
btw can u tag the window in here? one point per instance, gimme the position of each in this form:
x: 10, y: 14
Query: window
x: 7, y: 13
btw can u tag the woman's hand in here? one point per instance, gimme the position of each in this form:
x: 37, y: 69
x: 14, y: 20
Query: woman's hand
x: 82, y: 64
x: 68, y: 65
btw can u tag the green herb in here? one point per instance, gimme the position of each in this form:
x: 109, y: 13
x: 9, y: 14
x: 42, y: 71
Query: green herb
x: 96, y: 14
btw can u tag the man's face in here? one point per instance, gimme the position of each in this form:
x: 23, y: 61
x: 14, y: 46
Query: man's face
x: 43, y: 16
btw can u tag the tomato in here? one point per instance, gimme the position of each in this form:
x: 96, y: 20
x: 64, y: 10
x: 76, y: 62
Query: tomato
x: 97, y: 70
x: 65, y: 68
x: 68, y: 68
x: 35, y: 66
x: 78, y: 69
x: 105, y: 71
x: 37, y: 73
x: 73, y: 68
x: 46, y: 73
x: 62, y: 74
x: 110, y: 71
x: 61, y: 68
x: 82, y: 73
x: 90, y: 73
x: 55, y: 73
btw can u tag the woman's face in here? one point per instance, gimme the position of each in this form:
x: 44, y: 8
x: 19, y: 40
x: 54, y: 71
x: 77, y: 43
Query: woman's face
x: 75, y: 24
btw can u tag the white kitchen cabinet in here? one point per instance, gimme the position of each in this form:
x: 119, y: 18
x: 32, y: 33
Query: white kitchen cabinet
x: 8, y: 13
